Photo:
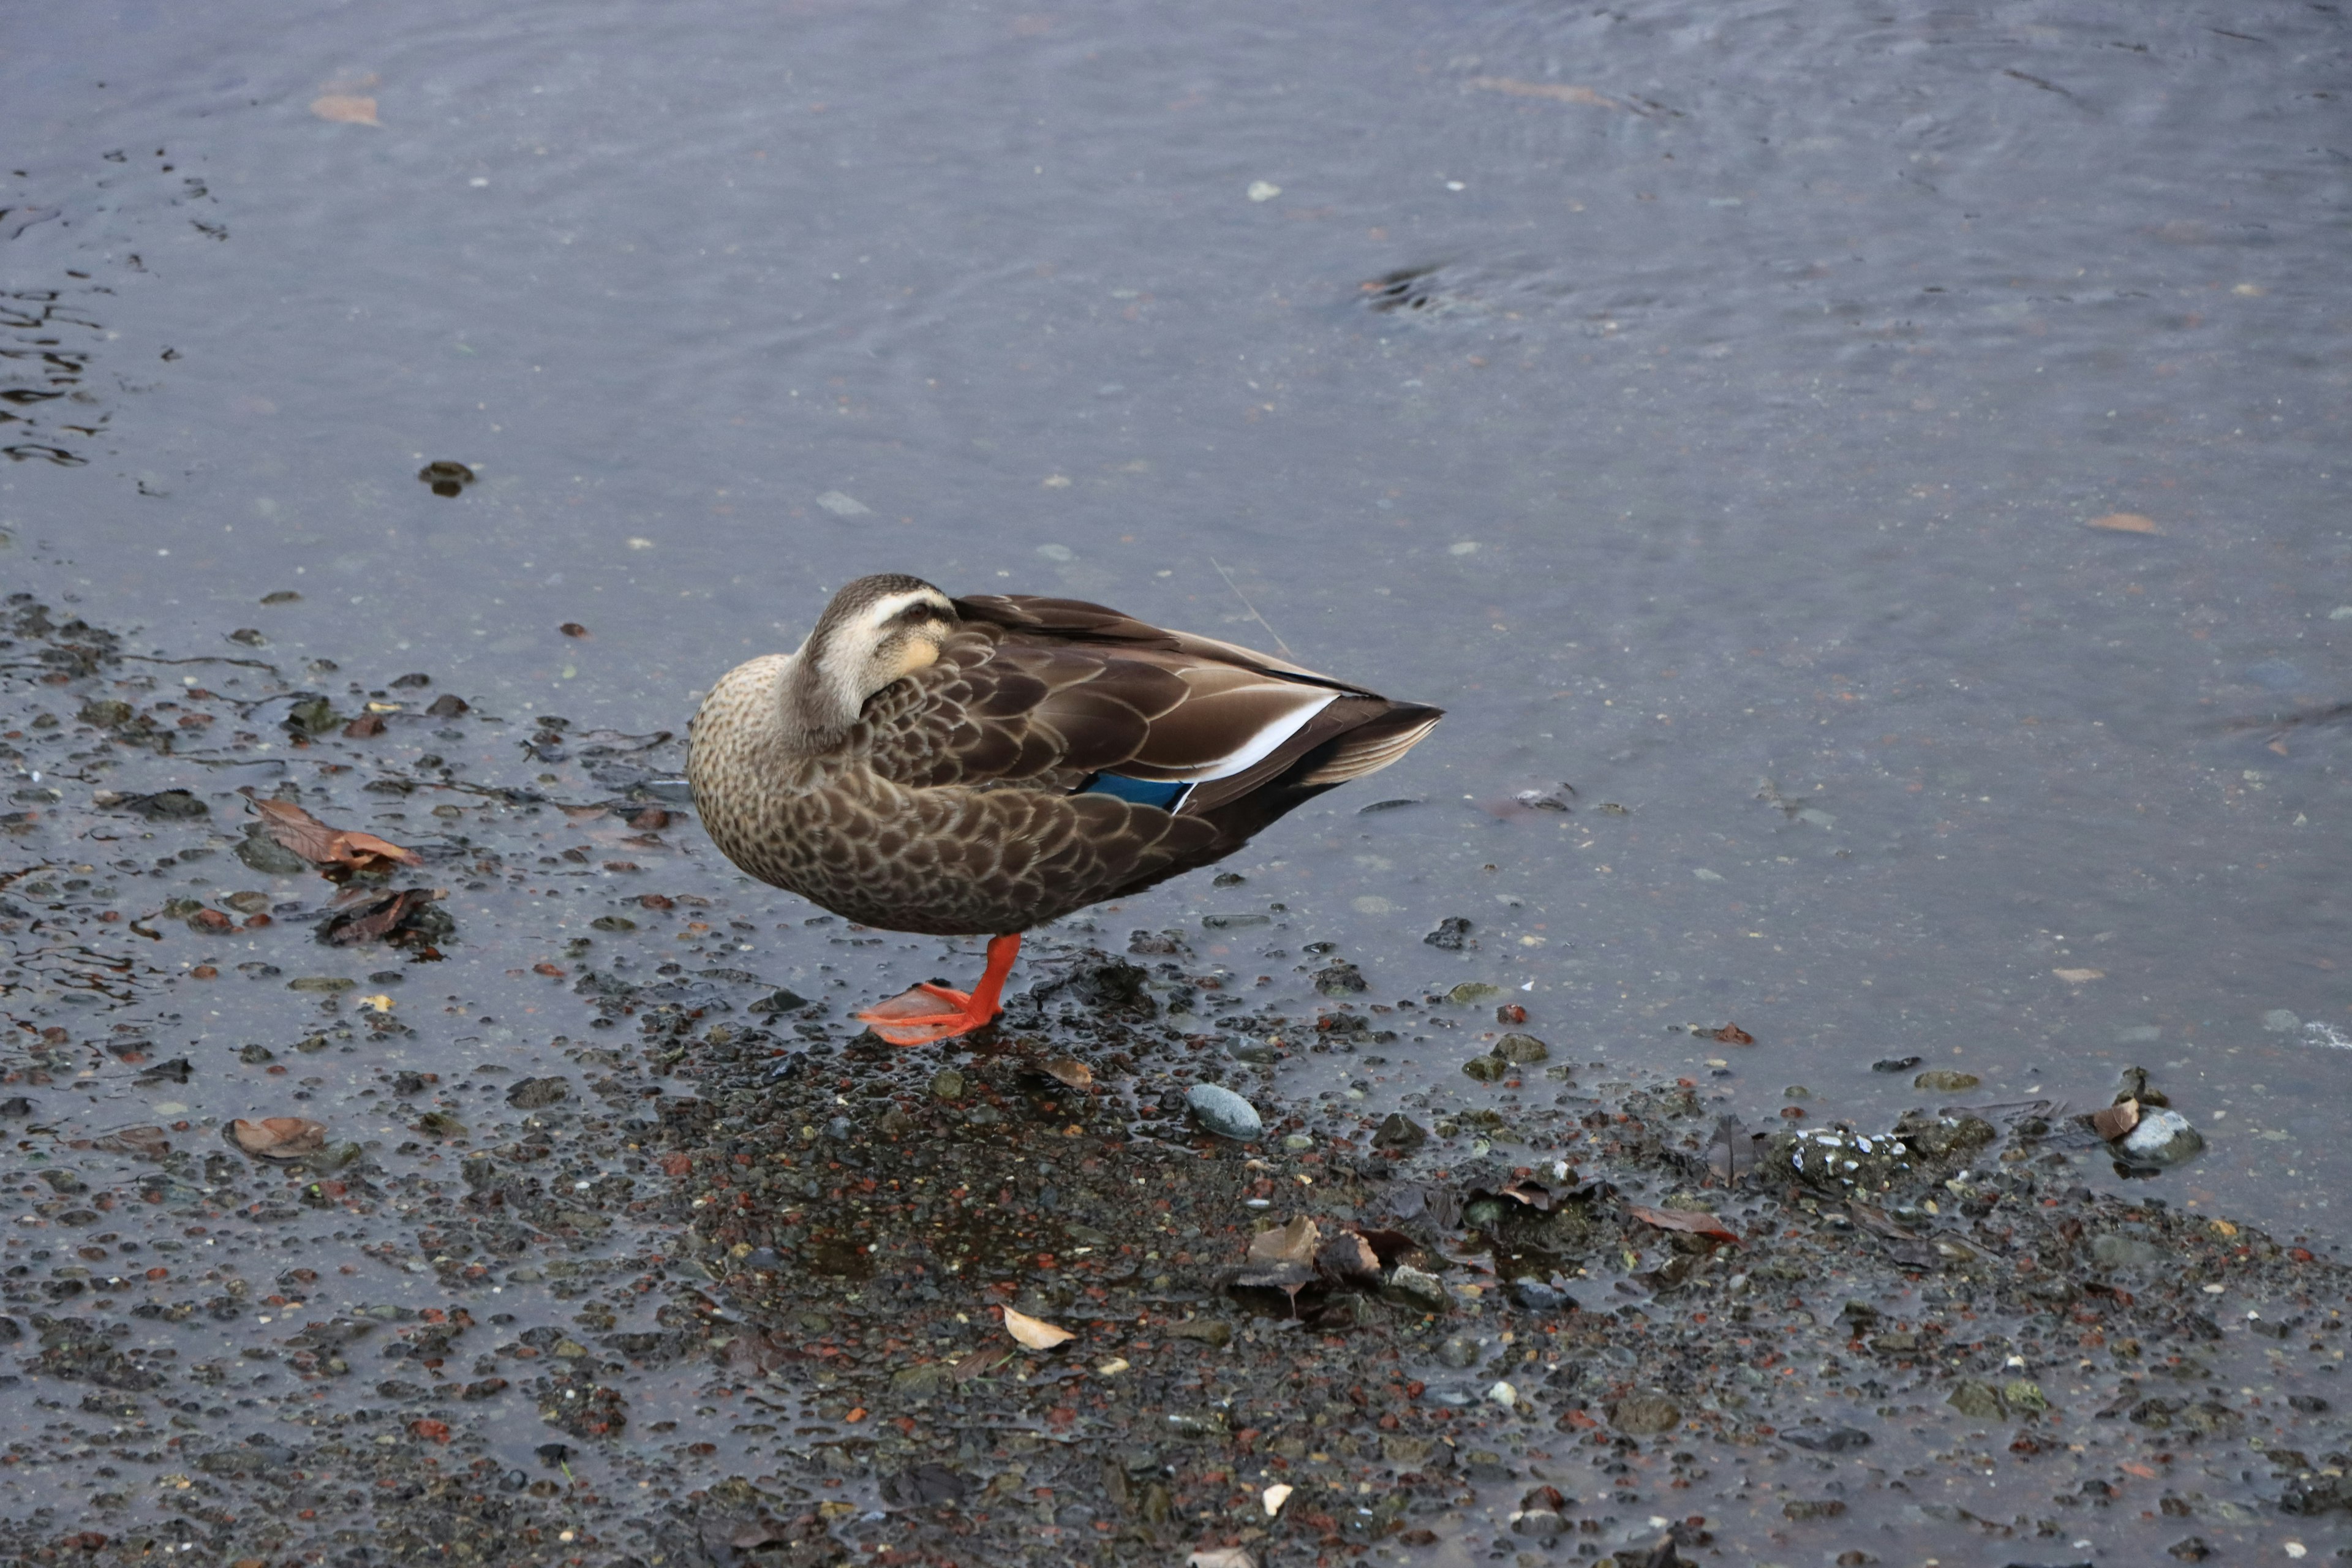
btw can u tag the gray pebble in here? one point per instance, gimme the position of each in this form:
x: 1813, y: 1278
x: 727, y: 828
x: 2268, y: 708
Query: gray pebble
x: 2163, y: 1138
x: 1224, y: 1113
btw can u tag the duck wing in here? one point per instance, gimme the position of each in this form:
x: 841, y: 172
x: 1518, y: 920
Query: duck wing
x: 1059, y: 694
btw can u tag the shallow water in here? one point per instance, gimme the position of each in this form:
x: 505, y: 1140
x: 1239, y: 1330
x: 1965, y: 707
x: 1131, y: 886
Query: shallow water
x: 1710, y: 406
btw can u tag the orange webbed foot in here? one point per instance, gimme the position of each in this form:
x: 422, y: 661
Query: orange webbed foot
x: 929, y: 1013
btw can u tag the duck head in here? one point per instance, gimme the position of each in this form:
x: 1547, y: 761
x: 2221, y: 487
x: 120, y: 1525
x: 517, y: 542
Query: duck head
x: 877, y: 630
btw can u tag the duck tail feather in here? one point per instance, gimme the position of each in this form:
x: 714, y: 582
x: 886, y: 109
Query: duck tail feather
x: 1370, y: 746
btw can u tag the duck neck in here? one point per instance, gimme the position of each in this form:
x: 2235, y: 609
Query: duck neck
x: 814, y: 707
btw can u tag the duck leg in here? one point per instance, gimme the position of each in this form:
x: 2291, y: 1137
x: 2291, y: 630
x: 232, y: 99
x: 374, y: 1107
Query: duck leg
x: 929, y: 1013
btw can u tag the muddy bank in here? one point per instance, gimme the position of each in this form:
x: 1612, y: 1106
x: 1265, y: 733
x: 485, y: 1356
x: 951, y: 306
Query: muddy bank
x: 619, y: 1243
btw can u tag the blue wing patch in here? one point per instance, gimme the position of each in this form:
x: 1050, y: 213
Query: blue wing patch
x: 1141, y: 792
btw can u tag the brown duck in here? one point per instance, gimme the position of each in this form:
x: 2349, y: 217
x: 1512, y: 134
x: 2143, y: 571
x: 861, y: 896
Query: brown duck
x: 981, y: 765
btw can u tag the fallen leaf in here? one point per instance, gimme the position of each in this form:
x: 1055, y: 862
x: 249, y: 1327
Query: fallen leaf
x: 1035, y: 1332
x: 345, y: 108
x: 427, y: 1427
x: 1221, y: 1557
x: 1294, y: 1243
x: 1558, y: 91
x: 1069, y: 1071
x: 2077, y: 977
x: 367, y: 726
x: 2116, y: 1119
x: 1684, y: 1220
x: 280, y: 1137
x: 2123, y: 522
x: 1348, y: 1255
x: 982, y: 1361
x: 1731, y: 1035
x: 296, y: 829
x: 1533, y: 1196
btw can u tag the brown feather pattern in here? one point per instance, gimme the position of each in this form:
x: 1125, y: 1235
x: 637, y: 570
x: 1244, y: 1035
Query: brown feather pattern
x: 946, y: 806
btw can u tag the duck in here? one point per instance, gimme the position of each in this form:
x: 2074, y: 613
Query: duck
x: 979, y: 766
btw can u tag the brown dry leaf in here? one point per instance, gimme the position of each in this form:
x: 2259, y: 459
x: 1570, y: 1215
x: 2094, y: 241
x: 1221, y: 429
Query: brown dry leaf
x: 345, y: 108
x: 1348, y: 1256
x: 297, y: 829
x: 1035, y: 1332
x: 982, y: 1361
x: 2123, y: 522
x: 280, y: 1137
x: 2116, y: 1119
x: 1684, y: 1220
x: 2077, y: 977
x: 1292, y: 1242
x: 1221, y: 1557
x: 148, y: 1142
x: 1558, y: 91
x: 1731, y: 1035
x: 1069, y: 1071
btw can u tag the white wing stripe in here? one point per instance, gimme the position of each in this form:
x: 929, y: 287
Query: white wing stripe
x: 1257, y: 748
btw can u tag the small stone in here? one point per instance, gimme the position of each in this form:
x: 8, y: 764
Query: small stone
x: 1945, y: 1080
x: 1542, y: 1524
x: 1979, y: 1401
x: 1488, y: 1068
x: 1522, y: 1049
x: 320, y: 982
x: 1646, y: 1415
x: 2024, y: 1394
x: 1449, y: 934
x: 1223, y: 1112
x: 266, y: 855
x: 2279, y: 1021
x: 1340, y: 979
x: 947, y: 1084
x: 1406, y: 1453
x: 1418, y: 1288
x: 1458, y: 1351
x: 2162, y: 1138
x: 2127, y: 1252
x: 1398, y: 1131
x: 1504, y: 1394
x: 1297, y: 1142
x: 1472, y: 992
x: 1811, y: 1508
x: 1894, y: 1063
x: 1536, y: 1295
x: 533, y: 1093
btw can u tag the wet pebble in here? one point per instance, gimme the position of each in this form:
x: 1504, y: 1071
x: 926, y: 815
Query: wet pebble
x: 533, y: 1093
x: 1894, y: 1063
x: 1458, y: 1351
x: 1523, y: 1050
x: 1944, y: 1080
x: 2162, y: 1138
x: 1535, y: 1296
x: 1222, y: 1111
x: 1418, y: 1288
